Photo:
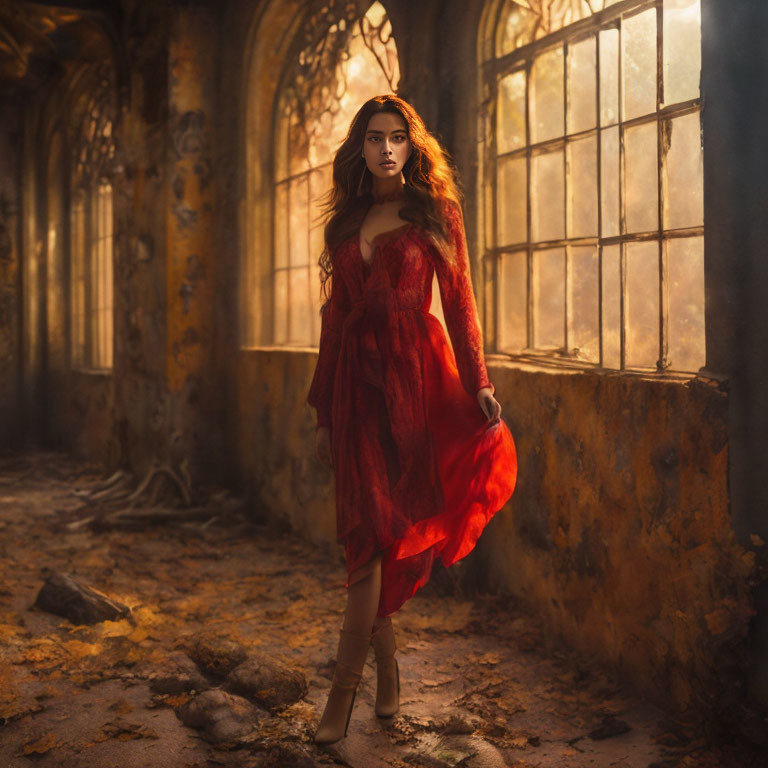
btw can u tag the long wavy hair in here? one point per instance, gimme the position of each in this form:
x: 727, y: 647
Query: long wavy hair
x: 430, y: 182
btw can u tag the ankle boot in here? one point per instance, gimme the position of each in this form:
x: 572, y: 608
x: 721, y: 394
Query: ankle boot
x: 350, y: 659
x: 387, y: 671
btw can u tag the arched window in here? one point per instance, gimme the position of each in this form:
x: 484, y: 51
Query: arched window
x: 325, y: 81
x: 91, y: 231
x: 593, y: 184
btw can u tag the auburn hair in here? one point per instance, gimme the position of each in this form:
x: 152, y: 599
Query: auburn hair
x: 430, y: 181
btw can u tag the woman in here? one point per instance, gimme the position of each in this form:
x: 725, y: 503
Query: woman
x: 421, y: 457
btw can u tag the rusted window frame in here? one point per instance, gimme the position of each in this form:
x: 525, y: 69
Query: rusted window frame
x: 493, y: 70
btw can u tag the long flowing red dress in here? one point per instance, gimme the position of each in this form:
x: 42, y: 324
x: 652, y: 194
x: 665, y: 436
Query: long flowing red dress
x: 419, y: 470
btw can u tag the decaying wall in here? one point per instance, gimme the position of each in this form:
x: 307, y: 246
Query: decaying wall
x: 619, y: 533
x: 10, y: 205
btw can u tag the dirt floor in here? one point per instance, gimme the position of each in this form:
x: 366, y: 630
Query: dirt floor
x: 232, y: 629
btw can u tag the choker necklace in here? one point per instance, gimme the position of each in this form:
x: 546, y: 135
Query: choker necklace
x: 387, y: 197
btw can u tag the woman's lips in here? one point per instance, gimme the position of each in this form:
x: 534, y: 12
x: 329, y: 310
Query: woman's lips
x: 388, y: 163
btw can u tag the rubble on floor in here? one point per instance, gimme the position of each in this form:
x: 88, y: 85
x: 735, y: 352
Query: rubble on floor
x: 222, y: 654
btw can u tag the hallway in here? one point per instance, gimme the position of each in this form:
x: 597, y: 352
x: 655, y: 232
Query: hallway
x: 481, y: 686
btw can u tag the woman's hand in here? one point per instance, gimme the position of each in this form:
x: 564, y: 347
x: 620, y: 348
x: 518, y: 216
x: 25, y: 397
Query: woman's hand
x: 489, y: 404
x: 323, y: 446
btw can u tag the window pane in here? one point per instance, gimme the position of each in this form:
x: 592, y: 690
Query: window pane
x: 320, y: 182
x: 639, y: 38
x: 547, y: 189
x: 642, y: 305
x: 611, y: 307
x: 547, y: 96
x: 584, y: 335
x: 299, y: 218
x: 510, y: 130
x: 513, y: 301
x: 609, y: 76
x: 641, y: 182
x: 281, y: 306
x: 582, y: 182
x: 682, y: 50
x: 489, y: 238
x: 609, y: 180
x: 684, y: 204
x: 282, y: 141
x: 282, y: 225
x: 299, y: 306
x: 517, y: 27
x: 549, y: 297
x: 685, y: 267
x: 582, y: 85
x: 512, y: 196
x: 523, y: 21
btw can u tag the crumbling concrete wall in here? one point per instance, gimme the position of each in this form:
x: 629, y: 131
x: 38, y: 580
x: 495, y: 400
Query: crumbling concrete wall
x: 10, y: 206
x: 619, y: 533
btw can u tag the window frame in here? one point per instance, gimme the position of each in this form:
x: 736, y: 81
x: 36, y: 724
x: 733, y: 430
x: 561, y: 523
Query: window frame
x: 492, y: 70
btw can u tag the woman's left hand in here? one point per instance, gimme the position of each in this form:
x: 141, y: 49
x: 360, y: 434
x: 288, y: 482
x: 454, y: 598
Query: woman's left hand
x: 489, y: 404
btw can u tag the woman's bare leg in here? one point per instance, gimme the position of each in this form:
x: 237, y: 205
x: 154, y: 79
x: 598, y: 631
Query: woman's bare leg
x: 363, y: 600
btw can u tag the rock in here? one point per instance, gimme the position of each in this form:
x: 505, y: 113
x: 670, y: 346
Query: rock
x: 221, y: 716
x: 268, y: 683
x: 610, y: 726
x: 180, y: 676
x: 217, y: 655
x: 64, y: 596
x: 287, y: 756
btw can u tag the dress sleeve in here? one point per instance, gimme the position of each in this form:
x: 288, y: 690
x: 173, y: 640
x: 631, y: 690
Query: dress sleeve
x: 459, y: 307
x: 320, y: 394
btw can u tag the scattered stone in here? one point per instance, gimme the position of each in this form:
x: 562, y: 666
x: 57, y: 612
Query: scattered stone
x: 63, y: 596
x: 271, y: 685
x: 610, y: 726
x: 217, y: 655
x: 287, y: 756
x: 221, y: 716
x: 181, y: 676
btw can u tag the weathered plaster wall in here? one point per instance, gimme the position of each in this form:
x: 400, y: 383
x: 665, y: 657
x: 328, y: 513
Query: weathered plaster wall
x: 619, y: 533
x: 274, y: 445
x: 10, y: 206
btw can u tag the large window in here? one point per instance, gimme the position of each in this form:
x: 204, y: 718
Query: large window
x: 592, y: 174
x: 339, y: 62
x: 91, y: 278
x: 91, y: 229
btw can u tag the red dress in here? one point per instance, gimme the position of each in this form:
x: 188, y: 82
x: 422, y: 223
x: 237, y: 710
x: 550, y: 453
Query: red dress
x: 419, y: 470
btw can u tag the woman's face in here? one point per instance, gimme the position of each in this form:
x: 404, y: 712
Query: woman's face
x: 386, y: 147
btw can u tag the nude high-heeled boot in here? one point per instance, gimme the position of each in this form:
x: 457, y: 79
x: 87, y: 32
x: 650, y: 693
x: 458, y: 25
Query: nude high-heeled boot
x: 387, y: 670
x: 350, y: 660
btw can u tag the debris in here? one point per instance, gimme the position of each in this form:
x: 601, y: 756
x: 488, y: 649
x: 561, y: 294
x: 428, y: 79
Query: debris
x: 64, y: 596
x: 287, y: 756
x: 217, y: 656
x: 269, y: 684
x: 610, y: 726
x: 221, y: 716
x: 181, y: 675
x: 40, y: 745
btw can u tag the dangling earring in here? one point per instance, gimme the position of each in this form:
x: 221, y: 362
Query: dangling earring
x: 362, y: 176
